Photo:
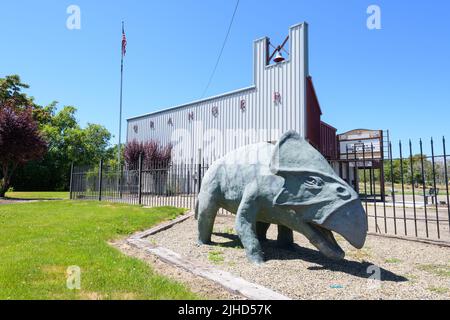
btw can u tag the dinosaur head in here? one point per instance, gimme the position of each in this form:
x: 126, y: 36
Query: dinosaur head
x: 322, y: 202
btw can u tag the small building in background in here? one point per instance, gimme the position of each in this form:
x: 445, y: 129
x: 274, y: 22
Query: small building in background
x: 281, y: 98
x: 364, y: 150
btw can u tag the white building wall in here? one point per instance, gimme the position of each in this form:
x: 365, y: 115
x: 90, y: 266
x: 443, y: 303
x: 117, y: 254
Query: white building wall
x: 262, y: 120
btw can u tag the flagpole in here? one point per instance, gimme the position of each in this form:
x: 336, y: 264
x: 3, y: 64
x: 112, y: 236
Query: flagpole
x: 119, y: 148
x: 119, y: 154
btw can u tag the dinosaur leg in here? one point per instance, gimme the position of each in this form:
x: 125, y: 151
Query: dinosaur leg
x: 261, y: 231
x: 285, y: 237
x: 246, y: 227
x: 206, y: 213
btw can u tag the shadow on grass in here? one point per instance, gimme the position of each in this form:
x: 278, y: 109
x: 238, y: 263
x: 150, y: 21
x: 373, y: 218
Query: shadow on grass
x: 273, y: 252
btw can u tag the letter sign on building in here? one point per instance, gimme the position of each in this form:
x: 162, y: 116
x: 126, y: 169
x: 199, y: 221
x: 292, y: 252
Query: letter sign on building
x: 243, y: 105
x: 277, y: 98
x: 215, y: 112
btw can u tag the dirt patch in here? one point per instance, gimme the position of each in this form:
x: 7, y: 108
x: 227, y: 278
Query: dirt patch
x: 408, y: 270
x: 204, y: 288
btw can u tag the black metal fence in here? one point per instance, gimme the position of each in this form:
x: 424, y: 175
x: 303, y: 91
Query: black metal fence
x: 406, y: 195
x: 158, y: 184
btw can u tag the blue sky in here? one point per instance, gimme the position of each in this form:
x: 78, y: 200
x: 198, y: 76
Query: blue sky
x: 396, y: 78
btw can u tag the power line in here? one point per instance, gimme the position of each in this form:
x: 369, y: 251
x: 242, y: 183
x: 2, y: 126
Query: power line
x: 221, y: 51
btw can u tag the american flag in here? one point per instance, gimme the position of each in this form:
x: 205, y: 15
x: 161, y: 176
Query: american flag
x: 124, y: 42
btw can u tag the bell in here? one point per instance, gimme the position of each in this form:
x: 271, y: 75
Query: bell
x: 279, y: 58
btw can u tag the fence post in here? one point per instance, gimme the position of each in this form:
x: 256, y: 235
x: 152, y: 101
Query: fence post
x: 199, y: 178
x: 119, y: 180
x: 140, y: 180
x: 71, y: 182
x: 100, y: 180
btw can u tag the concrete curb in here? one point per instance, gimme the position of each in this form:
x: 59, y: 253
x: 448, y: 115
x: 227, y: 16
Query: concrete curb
x: 231, y: 283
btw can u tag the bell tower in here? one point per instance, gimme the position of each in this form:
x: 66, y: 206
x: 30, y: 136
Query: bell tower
x: 285, y: 71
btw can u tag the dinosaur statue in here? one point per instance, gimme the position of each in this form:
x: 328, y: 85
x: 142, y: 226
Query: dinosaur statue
x: 289, y: 184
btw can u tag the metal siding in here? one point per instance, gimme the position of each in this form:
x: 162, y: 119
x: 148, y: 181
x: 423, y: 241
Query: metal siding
x: 328, y: 141
x: 288, y: 78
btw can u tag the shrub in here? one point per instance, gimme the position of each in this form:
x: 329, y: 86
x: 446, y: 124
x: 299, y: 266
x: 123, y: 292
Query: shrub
x: 153, y: 154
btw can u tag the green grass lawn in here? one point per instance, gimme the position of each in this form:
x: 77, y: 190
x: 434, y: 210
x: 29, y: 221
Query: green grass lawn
x: 38, y: 195
x: 39, y: 241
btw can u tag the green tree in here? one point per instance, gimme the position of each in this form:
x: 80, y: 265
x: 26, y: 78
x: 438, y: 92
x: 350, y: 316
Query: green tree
x: 11, y: 92
x: 111, y: 159
x: 67, y: 141
x: 416, y: 173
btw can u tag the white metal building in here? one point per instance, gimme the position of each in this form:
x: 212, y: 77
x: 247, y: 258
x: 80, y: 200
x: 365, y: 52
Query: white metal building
x: 281, y: 98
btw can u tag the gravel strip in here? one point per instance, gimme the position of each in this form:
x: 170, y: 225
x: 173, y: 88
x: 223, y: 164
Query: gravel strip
x: 204, y: 288
x: 409, y: 270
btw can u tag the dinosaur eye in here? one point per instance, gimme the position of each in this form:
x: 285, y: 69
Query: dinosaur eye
x: 314, y: 182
